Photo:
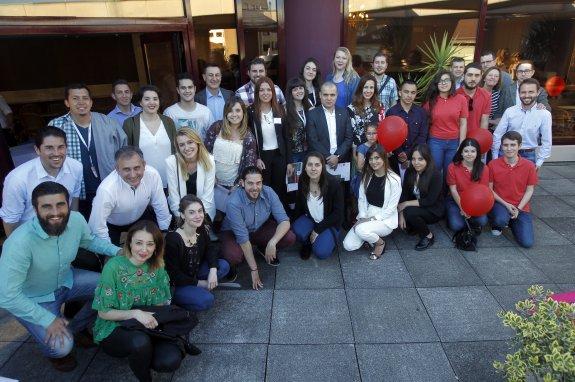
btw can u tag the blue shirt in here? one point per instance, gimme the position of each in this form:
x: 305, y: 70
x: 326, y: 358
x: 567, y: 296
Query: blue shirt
x: 120, y: 116
x: 417, y: 125
x: 244, y: 216
x: 341, y: 100
x: 216, y: 104
x: 33, y: 265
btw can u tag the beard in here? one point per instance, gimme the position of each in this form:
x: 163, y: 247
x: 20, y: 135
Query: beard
x: 54, y: 229
x: 468, y: 87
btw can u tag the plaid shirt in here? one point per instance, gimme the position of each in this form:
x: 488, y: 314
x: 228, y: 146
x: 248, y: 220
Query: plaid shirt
x: 246, y: 93
x: 387, y: 95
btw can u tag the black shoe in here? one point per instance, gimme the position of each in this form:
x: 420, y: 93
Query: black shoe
x: 232, y: 275
x: 192, y: 349
x: 305, y: 251
x: 274, y: 263
x: 84, y: 339
x: 425, y: 243
x: 64, y: 364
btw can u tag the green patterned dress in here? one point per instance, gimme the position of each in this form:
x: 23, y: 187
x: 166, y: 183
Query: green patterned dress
x: 124, y: 285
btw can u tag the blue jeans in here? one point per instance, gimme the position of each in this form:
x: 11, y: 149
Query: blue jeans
x: 85, y: 282
x: 323, y: 245
x: 195, y: 298
x: 522, y: 227
x: 456, y: 221
x: 443, y: 151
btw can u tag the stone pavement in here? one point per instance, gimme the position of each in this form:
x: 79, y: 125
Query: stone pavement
x: 411, y: 316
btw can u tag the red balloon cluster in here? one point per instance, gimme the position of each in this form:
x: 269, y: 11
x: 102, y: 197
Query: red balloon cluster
x: 391, y: 132
x: 484, y: 137
x: 477, y: 200
x: 555, y: 86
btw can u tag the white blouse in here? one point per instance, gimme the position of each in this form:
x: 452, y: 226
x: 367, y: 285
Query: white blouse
x: 315, y: 207
x: 156, y: 148
x: 227, y: 155
x: 270, y: 140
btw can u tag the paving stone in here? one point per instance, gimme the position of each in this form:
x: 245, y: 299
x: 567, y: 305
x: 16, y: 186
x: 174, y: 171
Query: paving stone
x: 551, y: 207
x: 310, y: 317
x: 439, y: 267
x: 569, y: 199
x: 549, y: 172
x: 464, y: 313
x: 236, y: 317
x: 473, y: 361
x: 389, y: 316
x: 295, y: 273
x: 564, y: 226
x: 564, y: 171
x: 12, y: 330
x: 405, y: 241
x: 229, y: 362
x: 317, y: 363
x: 359, y: 271
x: 540, y: 191
x: 565, y: 288
x: 558, y: 186
x: 6, y: 351
x: 267, y: 274
x: 557, y: 262
x: 504, y: 266
x: 544, y: 235
x: 509, y: 295
x: 404, y: 363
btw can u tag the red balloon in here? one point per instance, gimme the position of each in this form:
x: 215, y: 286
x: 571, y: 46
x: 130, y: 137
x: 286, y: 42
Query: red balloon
x: 483, y: 137
x: 477, y: 200
x: 555, y: 86
x: 391, y: 132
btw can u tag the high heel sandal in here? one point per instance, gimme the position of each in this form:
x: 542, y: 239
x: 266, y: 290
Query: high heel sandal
x: 375, y: 256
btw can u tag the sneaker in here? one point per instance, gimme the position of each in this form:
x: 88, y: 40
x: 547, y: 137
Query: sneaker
x: 64, y: 364
x: 273, y: 263
x: 496, y: 232
x: 424, y: 243
x: 232, y: 275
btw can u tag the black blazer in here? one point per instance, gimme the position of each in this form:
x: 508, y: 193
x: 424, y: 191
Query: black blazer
x: 281, y: 133
x: 318, y: 133
x: 432, y: 200
x: 332, y: 206
x: 201, y: 96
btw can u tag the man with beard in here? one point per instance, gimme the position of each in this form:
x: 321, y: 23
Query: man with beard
x: 122, y: 94
x: 36, y: 277
x: 478, y: 99
x: 213, y: 96
x: 386, y: 87
x: 534, y: 125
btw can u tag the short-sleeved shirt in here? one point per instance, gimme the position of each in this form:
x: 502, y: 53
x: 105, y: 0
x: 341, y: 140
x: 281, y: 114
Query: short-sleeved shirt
x: 481, y: 105
x: 510, y: 182
x: 460, y: 176
x: 200, y: 119
x: 123, y: 286
x: 445, y: 116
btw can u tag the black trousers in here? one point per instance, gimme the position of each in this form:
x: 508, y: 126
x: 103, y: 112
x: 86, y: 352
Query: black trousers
x: 115, y: 231
x: 275, y: 173
x: 417, y: 219
x: 144, y: 352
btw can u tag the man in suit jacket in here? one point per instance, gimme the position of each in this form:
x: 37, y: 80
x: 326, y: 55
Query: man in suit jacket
x: 329, y: 128
x: 213, y: 96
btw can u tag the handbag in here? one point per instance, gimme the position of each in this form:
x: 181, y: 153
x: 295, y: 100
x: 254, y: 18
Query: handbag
x: 465, y: 239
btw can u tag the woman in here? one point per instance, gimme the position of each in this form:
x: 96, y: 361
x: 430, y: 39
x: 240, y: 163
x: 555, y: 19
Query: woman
x: 193, y: 269
x: 448, y: 119
x: 233, y: 147
x: 295, y: 119
x: 191, y: 170
x: 135, y: 280
x: 491, y: 82
x: 422, y: 197
x: 151, y: 131
x: 318, y: 210
x: 379, y: 194
x: 265, y: 121
x: 466, y: 169
x: 343, y: 76
x: 311, y: 74
x: 365, y: 108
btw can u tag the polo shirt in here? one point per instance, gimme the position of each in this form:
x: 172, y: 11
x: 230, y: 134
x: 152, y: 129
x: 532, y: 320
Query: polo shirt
x: 460, y: 176
x: 445, y: 116
x: 510, y: 182
x: 481, y: 105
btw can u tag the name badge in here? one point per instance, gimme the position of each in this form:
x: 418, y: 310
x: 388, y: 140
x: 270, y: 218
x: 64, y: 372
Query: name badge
x: 277, y: 120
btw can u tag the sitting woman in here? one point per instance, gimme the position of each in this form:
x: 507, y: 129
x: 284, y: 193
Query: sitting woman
x: 134, y: 280
x: 193, y: 268
x: 422, y: 198
x: 319, y: 209
x: 191, y: 170
x: 466, y: 169
x: 379, y: 194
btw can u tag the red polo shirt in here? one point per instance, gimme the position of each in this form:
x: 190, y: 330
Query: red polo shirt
x: 510, y: 182
x: 481, y: 105
x: 460, y: 176
x: 445, y: 116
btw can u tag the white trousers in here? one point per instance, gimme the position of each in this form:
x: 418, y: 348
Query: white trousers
x: 369, y: 231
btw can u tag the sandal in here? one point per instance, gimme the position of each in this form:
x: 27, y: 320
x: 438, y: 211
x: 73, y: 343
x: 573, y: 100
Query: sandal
x: 375, y: 256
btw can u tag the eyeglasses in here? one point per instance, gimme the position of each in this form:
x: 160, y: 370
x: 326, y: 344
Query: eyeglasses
x: 526, y: 71
x: 444, y: 82
x: 470, y: 104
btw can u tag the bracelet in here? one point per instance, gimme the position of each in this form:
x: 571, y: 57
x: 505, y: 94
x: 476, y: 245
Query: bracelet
x: 254, y: 270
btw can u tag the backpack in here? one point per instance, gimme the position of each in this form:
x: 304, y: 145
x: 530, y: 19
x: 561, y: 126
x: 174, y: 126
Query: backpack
x: 465, y: 240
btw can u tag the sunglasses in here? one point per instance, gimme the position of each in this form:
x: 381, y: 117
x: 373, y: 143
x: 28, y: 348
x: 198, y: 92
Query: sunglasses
x: 470, y: 104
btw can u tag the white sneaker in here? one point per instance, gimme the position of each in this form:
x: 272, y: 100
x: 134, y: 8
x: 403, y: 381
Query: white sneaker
x: 496, y: 232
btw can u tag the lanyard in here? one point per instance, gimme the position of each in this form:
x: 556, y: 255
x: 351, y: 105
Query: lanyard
x: 301, y: 115
x: 87, y: 146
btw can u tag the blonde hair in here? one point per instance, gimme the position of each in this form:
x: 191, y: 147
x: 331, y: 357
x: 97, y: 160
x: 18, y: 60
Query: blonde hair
x: 349, y: 72
x: 203, y: 154
x: 226, y: 128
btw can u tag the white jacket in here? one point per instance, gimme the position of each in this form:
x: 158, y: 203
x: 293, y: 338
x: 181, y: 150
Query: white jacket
x: 388, y: 212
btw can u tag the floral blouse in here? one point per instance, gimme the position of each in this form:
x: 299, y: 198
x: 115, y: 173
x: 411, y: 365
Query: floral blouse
x: 360, y: 121
x: 123, y: 286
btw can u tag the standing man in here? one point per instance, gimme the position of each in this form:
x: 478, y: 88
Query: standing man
x: 125, y: 197
x: 533, y: 124
x: 36, y: 277
x: 187, y: 112
x: 50, y: 165
x: 92, y: 139
x: 386, y: 85
x: 478, y: 99
x: 256, y: 70
x: 122, y: 94
x: 457, y: 68
x: 213, y: 96
x: 487, y: 61
x: 513, y: 181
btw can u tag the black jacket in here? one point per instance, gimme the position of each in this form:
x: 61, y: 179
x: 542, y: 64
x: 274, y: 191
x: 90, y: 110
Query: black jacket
x: 281, y: 132
x: 318, y: 133
x: 332, y: 206
x: 202, y: 97
x: 432, y: 199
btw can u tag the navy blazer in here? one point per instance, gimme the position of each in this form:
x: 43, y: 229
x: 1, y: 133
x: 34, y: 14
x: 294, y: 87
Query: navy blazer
x: 318, y: 133
x: 202, y: 98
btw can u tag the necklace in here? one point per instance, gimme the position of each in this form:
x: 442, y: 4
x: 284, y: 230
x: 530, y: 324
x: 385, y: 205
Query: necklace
x: 187, y: 240
x: 267, y: 116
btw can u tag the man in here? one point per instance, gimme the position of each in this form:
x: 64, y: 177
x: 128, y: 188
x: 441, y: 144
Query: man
x: 512, y: 180
x: 417, y: 123
x: 256, y: 70
x: 478, y: 99
x: 386, y: 85
x: 187, y: 112
x: 254, y: 217
x: 487, y: 61
x: 510, y: 94
x: 92, y: 138
x: 329, y: 128
x: 122, y: 94
x: 36, y: 277
x: 213, y: 96
x: 50, y: 165
x: 533, y: 124
x: 125, y: 195
x: 457, y: 68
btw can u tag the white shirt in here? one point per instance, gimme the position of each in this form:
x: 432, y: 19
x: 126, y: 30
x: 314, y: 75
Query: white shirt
x: 332, y: 129
x: 117, y: 203
x: 315, y: 207
x: 270, y: 140
x: 156, y: 148
x: 200, y: 119
x: 20, y: 182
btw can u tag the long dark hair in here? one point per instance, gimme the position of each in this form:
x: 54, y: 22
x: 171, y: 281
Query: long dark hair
x: 276, y: 108
x: 291, y: 114
x: 427, y: 174
x: 317, y: 80
x: 185, y: 202
x: 433, y: 90
x: 358, y: 100
x: 367, y: 170
x: 478, y: 165
x: 303, y: 184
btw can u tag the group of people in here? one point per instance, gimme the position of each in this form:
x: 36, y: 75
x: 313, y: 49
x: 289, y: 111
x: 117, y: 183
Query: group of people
x: 216, y: 162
